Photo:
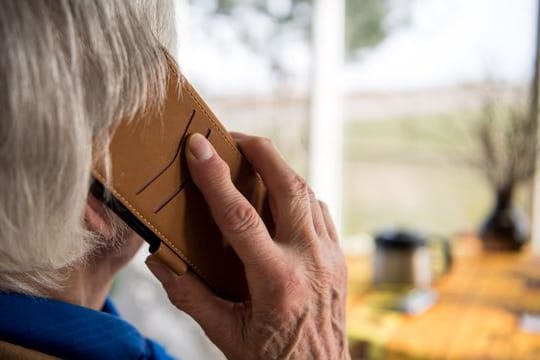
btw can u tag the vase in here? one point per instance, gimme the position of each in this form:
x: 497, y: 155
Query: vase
x: 506, y: 228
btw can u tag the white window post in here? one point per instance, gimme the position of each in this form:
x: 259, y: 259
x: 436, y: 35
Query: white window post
x: 326, y: 108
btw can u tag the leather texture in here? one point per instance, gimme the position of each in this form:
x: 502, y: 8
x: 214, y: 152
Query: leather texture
x: 152, y: 191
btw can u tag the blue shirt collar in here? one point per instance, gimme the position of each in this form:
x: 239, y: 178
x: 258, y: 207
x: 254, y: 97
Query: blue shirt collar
x: 72, y: 332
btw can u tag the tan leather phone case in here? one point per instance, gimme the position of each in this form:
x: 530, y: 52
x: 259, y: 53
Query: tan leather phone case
x: 152, y: 191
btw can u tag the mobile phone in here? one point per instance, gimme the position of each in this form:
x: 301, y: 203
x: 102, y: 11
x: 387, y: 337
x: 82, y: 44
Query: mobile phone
x: 150, y: 188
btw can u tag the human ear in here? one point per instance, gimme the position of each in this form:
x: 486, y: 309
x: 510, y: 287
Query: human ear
x: 96, y: 218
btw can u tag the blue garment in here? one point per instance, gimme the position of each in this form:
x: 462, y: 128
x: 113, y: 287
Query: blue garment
x: 69, y: 331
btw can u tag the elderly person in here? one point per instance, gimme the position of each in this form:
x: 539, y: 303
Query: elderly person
x: 69, y: 69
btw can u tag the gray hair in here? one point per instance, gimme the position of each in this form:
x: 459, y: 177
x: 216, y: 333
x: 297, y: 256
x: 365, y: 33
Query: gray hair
x: 69, y: 70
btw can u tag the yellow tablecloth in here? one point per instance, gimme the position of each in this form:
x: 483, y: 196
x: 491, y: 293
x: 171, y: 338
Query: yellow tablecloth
x: 477, y: 315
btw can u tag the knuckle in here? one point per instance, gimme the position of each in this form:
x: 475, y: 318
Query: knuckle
x: 175, y: 294
x: 176, y: 298
x: 287, y: 290
x: 260, y: 142
x: 182, y: 302
x: 297, y: 187
x: 345, y: 273
x: 240, y: 217
x: 221, y: 167
x: 169, y: 286
x: 312, y: 197
x: 340, y: 265
x: 344, y: 269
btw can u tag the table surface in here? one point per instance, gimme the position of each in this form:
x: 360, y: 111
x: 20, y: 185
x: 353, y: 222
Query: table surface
x: 477, y: 315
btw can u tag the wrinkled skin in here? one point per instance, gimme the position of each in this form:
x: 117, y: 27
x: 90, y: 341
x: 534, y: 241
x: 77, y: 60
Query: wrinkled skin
x: 297, y: 279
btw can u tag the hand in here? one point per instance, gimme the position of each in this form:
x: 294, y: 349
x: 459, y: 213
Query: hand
x: 297, y: 280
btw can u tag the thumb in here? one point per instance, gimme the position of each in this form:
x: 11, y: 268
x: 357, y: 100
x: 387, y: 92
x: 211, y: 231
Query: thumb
x: 215, y: 315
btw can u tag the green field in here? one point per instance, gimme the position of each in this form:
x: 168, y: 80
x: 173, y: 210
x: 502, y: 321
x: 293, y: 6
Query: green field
x: 413, y: 172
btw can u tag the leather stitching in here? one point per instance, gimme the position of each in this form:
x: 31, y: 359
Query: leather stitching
x: 186, y: 87
x: 143, y: 218
x: 202, y: 108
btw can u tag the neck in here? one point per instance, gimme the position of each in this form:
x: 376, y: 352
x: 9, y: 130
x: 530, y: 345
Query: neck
x: 89, y: 282
x: 86, y: 286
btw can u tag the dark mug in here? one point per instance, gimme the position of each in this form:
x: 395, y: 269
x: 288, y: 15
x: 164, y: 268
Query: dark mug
x: 409, y: 258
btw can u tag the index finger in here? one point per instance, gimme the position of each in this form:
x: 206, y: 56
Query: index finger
x: 289, y: 193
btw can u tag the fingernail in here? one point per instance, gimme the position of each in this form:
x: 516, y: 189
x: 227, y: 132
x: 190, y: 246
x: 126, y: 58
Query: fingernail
x: 199, y: 147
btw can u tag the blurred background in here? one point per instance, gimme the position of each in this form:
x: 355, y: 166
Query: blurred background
x: 416, y: 121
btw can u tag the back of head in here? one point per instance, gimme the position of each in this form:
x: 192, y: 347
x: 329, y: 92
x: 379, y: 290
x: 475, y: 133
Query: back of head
x: 69, y: 69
